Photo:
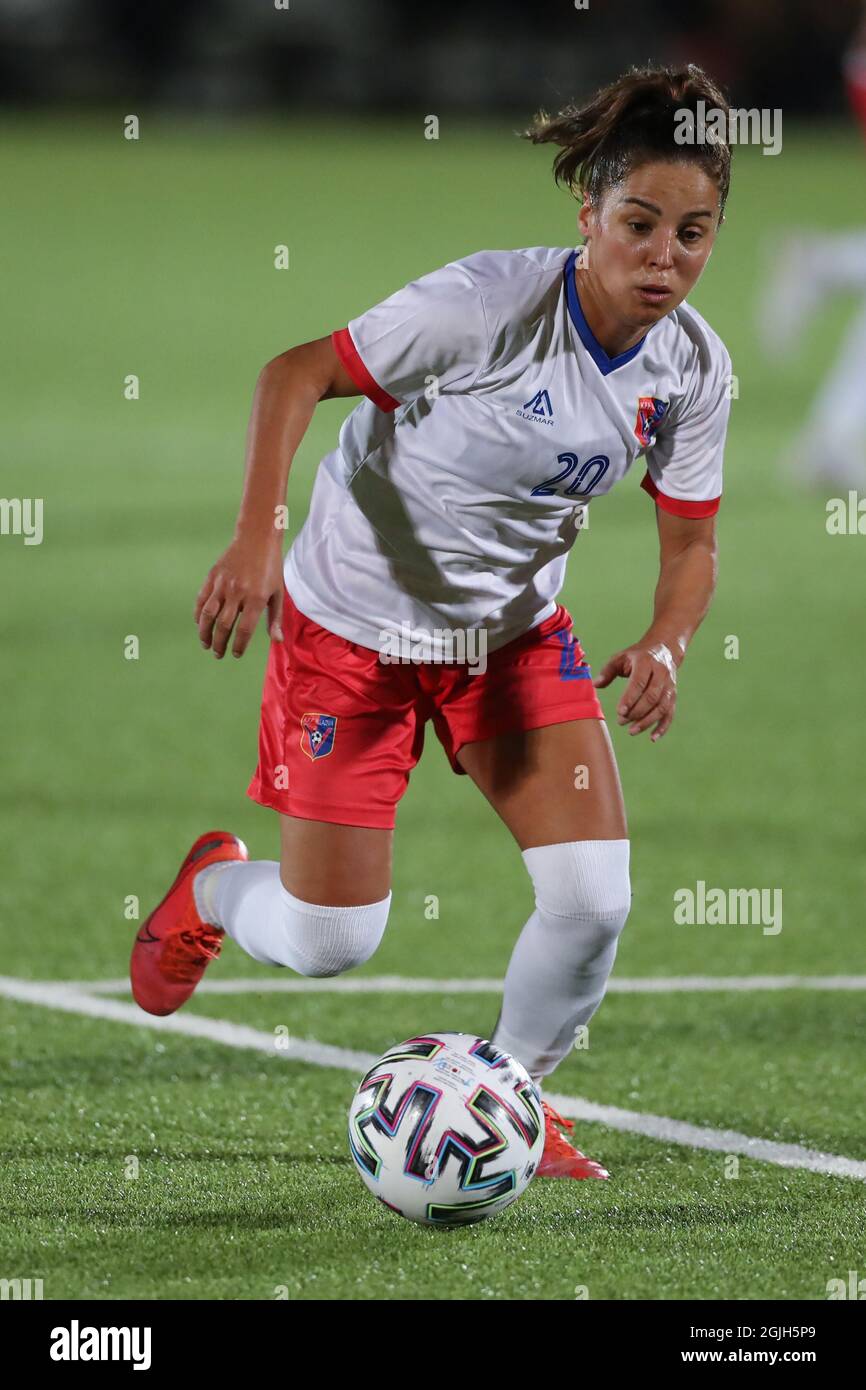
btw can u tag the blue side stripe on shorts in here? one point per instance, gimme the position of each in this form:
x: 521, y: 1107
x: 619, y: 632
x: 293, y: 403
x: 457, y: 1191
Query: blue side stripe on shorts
x: 570, y: 669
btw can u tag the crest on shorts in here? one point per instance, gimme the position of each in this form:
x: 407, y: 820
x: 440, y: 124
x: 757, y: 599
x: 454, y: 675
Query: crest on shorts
x: 317, y: 734
x: 649, y: 412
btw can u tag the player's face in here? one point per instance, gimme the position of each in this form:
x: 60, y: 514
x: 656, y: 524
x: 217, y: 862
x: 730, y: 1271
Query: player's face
x: 650, y: 239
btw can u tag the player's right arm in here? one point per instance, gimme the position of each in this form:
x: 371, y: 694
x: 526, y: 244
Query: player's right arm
x: 433, y: 329
x: 248, y: 577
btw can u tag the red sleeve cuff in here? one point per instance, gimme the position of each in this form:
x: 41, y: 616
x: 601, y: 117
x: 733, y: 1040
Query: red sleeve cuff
x: 676, y: 506
x: 351, y: 360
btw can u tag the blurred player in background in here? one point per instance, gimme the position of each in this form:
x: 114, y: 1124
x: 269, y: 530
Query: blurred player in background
x: 830, y: 449
x: 502, y: 392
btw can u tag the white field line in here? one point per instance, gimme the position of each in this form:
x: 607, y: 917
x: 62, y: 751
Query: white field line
x: 398, y: 984
x: 73, y: 1001
x: 67, y: 999
x: 727, y: 1141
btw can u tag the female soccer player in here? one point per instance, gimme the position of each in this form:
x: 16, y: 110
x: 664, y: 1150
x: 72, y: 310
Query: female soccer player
x: 502, y: 392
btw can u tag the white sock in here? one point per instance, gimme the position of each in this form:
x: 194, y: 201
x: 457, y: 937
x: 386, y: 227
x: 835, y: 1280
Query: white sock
x: 249, y: 902
x: 560, y: 966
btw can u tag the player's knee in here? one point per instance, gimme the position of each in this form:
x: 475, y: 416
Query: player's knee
x: 586, y: 882
x: 325, y: 941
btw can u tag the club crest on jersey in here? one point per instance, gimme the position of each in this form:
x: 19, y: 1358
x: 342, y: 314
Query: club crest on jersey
x: 649, y: 412
x: 538, y: 409
x: 317, y: 734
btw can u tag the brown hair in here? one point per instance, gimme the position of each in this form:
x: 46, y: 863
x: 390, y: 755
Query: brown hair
x: 630, y: 122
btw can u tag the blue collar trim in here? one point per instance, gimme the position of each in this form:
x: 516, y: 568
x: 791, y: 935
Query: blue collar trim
x: 604, y: 363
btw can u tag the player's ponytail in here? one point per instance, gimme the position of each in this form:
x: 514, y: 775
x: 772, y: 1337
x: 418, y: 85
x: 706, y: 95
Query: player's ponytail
x: 632, y: 121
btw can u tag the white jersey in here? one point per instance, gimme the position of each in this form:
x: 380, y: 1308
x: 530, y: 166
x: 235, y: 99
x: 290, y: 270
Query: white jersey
x: 492, y: 414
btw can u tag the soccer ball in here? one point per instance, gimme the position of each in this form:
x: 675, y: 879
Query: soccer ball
x: 446, y: 1129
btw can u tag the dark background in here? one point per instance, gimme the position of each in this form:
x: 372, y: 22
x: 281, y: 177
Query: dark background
x: 233, y: 55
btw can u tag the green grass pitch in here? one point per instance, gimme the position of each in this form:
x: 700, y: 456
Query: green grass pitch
x: 156, y: 258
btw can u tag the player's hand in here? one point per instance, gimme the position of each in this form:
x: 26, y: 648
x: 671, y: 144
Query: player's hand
x: 650, y: 697
x: 246, y: 579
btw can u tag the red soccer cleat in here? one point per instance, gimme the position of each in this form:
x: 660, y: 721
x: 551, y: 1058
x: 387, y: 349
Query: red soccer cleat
x: 174, y: 946
x: 561, y: 1159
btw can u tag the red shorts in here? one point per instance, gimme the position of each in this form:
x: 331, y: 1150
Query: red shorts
x: 341, y: 730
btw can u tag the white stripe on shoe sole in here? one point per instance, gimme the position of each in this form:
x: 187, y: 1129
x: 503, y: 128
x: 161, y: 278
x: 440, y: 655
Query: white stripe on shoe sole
x: 69, y: 999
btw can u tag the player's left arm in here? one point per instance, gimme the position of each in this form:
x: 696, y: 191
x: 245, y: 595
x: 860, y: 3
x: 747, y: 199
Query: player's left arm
x: 688, y: 563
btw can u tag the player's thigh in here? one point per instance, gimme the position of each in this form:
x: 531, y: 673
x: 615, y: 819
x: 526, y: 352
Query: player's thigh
x: 335, y: 865
x: 551, y: 785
